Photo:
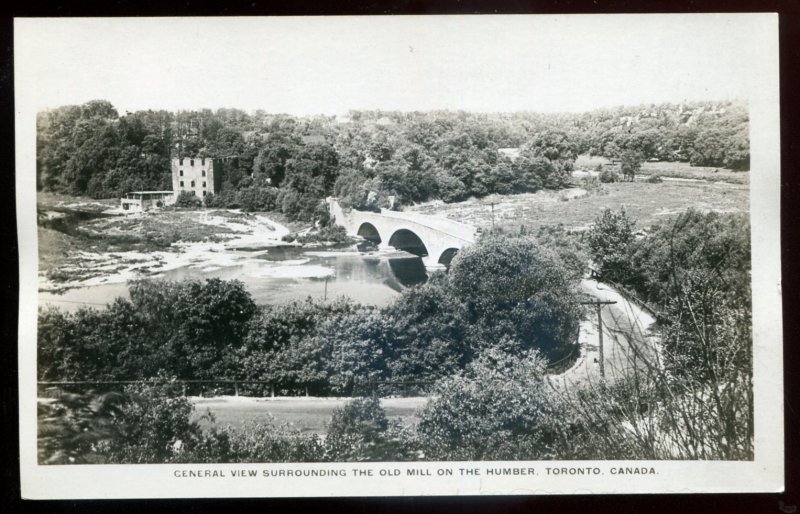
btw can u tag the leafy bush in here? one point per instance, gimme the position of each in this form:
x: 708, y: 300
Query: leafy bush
x: 358, y: 347
x: 264, y: 442
x: 325, y: 234
x: 155, y: 427
x: 146, y: 423
x: 279, y: 346
x: 430, y: 335
x: 608, y: 175
x: 189, y: 329
x: 187, y: 200
x: 258, y: 199
x: 498, y: 410
x: 71, y: 426
x: 360, y: 431
x: 654, y: 179
x: 609, y: 241
x: 515, y: 287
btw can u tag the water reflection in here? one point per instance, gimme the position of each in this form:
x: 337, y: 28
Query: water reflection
x: 409, y: 271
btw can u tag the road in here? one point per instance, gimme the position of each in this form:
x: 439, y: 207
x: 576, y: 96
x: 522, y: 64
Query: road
x: 627, y: 341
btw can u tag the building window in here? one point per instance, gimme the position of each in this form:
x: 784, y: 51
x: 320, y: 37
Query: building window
x: 191, y: 162
x: 181, y: 173
x: 181, y: 183
x: 204, y: 173
x: 192, y: 183
x: 181, y: 161
x: 203, y: 161
x: 204, y: 193
x: 204, y: 184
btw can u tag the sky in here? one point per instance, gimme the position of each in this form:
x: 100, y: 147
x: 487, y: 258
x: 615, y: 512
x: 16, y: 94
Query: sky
x: 329, y: 65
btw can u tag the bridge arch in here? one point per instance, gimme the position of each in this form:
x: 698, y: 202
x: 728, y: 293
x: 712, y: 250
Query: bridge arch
x: 447, y: 257
x: 368, y: 231
x: 406, y: 240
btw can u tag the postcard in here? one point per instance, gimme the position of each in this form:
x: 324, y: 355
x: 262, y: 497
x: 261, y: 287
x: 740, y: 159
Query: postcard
x: 399, y: 255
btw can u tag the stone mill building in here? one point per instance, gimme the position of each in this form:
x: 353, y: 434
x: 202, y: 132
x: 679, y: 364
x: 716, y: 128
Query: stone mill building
x: 195, y: 174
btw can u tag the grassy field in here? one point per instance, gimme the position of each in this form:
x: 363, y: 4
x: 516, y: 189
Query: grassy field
x: 664, y: 169
x: 577, y: 208
x: 306, y: 414
x: 684, y: 171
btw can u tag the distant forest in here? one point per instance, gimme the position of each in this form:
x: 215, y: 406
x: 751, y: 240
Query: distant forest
x: 288, y: 163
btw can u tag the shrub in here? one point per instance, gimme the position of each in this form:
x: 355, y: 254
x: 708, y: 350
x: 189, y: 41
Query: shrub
x: 258, y: 199
x: 264, y: 442
x: 188, y: 200
x: 146, y: 423
x: 360, y: 431
x: 155, y: 427
x: 498, y: 410
x: 654, y: 179
x: 609, y: 175
x: 324, y: 234
x: 71, y: 426
x: 515, y: 287
x: 610, y: 240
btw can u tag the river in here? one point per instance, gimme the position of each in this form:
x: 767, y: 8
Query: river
x: 282, y: 273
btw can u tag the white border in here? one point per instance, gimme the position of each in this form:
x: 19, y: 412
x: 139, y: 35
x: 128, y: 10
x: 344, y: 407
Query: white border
x: 764, y: 474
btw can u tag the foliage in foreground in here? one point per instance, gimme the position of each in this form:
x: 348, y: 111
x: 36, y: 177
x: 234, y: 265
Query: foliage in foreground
x: 498, y: 410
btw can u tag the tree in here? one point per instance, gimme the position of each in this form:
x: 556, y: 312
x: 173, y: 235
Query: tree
x: 498, y: 410
x: 357, y: 348
x: 360, y: 431
x: 514, y: 287
x: 630, y: 164
x: 610, y: 239
x: 430, y: 336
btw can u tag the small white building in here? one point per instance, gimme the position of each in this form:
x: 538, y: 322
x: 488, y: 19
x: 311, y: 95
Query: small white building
x: 141, y: 201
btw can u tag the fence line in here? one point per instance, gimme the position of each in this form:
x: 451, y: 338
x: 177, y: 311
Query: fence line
x: 357, y: 386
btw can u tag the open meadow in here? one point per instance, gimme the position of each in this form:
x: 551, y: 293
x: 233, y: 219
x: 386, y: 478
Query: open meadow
x: 577, y: 207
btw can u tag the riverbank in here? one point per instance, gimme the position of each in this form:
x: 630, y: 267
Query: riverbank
x: 107, y: 250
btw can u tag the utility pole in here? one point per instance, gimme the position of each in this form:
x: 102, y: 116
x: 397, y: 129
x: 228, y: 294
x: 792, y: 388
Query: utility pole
x: 492, y: 204
x: 599, y: 306
x: 325, y: 297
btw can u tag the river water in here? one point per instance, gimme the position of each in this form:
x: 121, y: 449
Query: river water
x: 282, y: 273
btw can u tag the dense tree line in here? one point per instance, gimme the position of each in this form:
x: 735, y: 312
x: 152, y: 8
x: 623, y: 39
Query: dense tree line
x: 286, y: 163
x: 213, y: 330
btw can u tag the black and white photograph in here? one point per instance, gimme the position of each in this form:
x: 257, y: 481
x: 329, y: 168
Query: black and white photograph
x: 337, y: 256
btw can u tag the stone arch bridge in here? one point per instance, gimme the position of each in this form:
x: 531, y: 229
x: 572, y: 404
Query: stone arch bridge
x: 434, y: 239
